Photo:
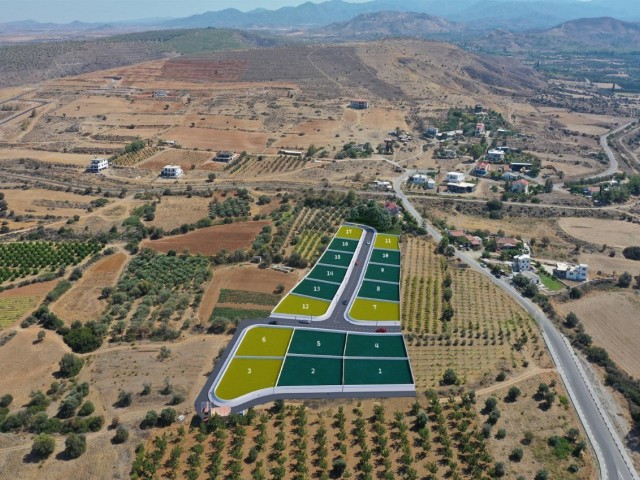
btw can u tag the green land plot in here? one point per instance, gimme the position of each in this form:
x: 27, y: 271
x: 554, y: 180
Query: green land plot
x: 317, y: 342
x: 246, y: 375
x: 340, y: 259
x: 377, y: 345
x: 310, y: 371
x: 316, y: 289
x: 389, y: 242
x: 343, y: 245
x: 328, y: 273
x: 375, y: 310
x: 347, y: 231
x: 380, y: 291
x: 377, y: 372
x: 550, y: 282
x: 386, y: 273
x: 304, y: 306
x: 265, y: 342
x: 387, y: 257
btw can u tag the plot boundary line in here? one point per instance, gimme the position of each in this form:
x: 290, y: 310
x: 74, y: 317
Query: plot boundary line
x: 284, y: 359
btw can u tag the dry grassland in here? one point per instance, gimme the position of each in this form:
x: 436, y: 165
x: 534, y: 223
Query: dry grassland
x: 28, y: 364
x: 211, y: 240
x: 174, y: 211
x: 82, y: 303
x: 204, y: 138
x: 244, y: 277
x: 91, y: 106
x: 46, y: 202
x: 53, y: 157
x: 604, y: 232
x: 527, y: 415
x: 611, y: 318
x: 604, y: 263
x: 479, y: 341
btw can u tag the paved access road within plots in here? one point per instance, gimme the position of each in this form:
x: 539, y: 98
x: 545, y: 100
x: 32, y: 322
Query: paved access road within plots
x: 313, y: 296
x: 272, y: 360
x: 378, y: 298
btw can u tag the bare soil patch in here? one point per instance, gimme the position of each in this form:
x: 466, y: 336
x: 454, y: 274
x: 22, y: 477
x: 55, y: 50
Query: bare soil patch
x: 53, y: 157
x: 611, y: 318
x: 244, y: 277
x: 184, y: 158
x: 603, y: 263
x: 82, y: 303
x: 211, y: 240
x: 610, y: 232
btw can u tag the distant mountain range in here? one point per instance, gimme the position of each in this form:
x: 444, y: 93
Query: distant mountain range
x: 486, y: 14
x: 585, y: 34
x: 369, y: 26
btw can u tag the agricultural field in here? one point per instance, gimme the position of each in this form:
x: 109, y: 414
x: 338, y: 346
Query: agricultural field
x: 155, y: 294
x: 186, y: 159
x: 231, y: 207
x: 454, y: 318
x: 134, y: 158
x: 174, y: 211
x: 42, y: 202
x: 85, y: 301
x: 311, y: 226
x: 22, y: 259
x: 211, y: 240
x: 252, y: 166
x: 15, y: 308
x: 360, y: 439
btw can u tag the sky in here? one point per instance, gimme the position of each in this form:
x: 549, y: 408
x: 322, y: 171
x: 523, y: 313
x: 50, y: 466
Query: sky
x: 64, y: 11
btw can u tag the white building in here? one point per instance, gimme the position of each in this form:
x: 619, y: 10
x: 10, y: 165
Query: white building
x: 98, y: 164
x: 455, y: 177
x: 431, y: 132
x: 171, y: 171
x: 419, y: 178
x: 578, y: 273
x: 226, y: 156
x: 431, y: 184
x: 495, y: 156
x: 480, y: 130
x: 532, y: 277
x: 382, y: 185
x: 522, y: 263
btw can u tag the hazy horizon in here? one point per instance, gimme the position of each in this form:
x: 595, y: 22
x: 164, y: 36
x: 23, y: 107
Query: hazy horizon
x: 65, y: 11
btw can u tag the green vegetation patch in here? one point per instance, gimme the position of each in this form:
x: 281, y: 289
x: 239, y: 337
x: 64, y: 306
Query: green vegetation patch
x: 317, y: 342
x: 21, y: 259
x: 386, y: 273
x: 246, y: 375
x: 551, y: 283
x: 343, y: 245
x: 380, y: 291
x: 239, y: 313
x: 375, y: 311
x: 377, y: 372
x: 378, y: 345
x: 311, y: 371
x: 389, y: 242
x: 13, y: 308
x: 265, y: 342
x: 340, y: 259
x: 303, y: 306
x: 231, y: 207
x: 347, y: 231
x: 316, y: 289
x: 385, y: 256
x: 243, y: 296
x: 327, y: 273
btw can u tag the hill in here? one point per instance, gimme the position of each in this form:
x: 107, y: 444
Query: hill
x: 390, y: 24
x: 30, y: 63
x: 596, y: 34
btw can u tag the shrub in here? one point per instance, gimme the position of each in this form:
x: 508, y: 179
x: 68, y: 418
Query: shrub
x: 177, y: 399
x: 70, y: 365
x: 542, y: 475
x: 516, y: 455
x: 6, y: 400
x: 124, y: 399
x: 150, y: 419
x: 43, y: 445
x: 498, y: 470
x: 624, y: 280
x: 82, y: 340
x: 87, y: 409
x: 75, y: 445
x: 631, y: 253
x: 167, y: 417
x: 121, y: 436
x: 513, y: 394
x: 339, y: 466
x: 449, y: 377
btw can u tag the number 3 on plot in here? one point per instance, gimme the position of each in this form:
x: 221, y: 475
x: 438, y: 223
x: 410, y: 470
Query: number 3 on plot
x: 248, y: 371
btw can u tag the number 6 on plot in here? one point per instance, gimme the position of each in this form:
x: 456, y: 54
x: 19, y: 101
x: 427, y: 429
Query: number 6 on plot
x: 264, y: 339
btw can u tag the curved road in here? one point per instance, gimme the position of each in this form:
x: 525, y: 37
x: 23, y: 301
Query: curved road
x: 613, y: 460
x: 613, y: 163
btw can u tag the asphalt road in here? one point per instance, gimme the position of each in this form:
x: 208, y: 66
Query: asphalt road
x: 612, y: 458
x: 613, y: 163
